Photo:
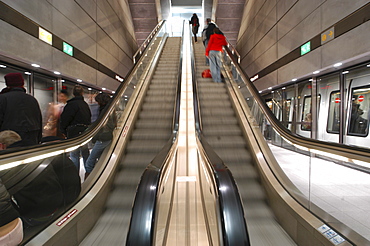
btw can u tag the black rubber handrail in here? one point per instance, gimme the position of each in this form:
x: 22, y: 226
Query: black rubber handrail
x: 234, y: 228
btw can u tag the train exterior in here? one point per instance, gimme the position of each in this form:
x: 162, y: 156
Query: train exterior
x: 338, y: 102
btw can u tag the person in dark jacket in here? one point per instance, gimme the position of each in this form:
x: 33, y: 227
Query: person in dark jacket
x: 214, y: 53
x: 74, y: 120
x: 11, y: 228
x: 20, y: 111
x: 104, y: 137
x: 194, y: 21
x: 206, y: 34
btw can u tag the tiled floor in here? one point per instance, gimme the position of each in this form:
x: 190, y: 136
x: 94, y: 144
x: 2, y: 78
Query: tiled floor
x: 342, y: 192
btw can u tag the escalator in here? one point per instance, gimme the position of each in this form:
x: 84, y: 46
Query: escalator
x: 221, y: 129
x: 152, y: 130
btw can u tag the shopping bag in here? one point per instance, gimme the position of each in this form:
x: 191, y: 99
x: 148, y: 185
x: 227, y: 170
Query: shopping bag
x: 206, y: 74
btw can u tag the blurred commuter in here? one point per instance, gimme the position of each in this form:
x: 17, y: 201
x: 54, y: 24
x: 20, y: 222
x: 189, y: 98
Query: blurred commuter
x: 214, y: 53
x: 194, y: 21
x: 104, y: 137
x: 206, y: 34
x: 74, y: 120
x: 51, y: 127
x: 41, y: 196
x: 20, y: 111
x: 11, y: 228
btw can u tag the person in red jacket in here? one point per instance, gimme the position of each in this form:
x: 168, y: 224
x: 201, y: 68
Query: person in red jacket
x: 214, y: 53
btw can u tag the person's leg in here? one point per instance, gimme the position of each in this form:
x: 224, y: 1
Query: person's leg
x: 218, y: 66
x: 205, y: 45
x: 85, y: 152
x: 214, y: 65
x: 75, y: 157
x: 95, y: 154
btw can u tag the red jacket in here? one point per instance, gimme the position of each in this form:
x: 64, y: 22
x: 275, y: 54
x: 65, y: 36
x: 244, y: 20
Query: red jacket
x: 216, y: 42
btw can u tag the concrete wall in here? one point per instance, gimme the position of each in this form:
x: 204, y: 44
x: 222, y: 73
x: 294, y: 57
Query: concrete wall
x: 102, y: 29
x: 271, y: 29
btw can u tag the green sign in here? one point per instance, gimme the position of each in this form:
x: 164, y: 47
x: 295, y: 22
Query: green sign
x: 68, y: 49
x: 305, y: 48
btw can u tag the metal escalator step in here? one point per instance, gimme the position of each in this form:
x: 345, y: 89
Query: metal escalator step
x: 215, y: 103
x: 150, y: 115
x: 151, y: 134
x: 228, y: 142
x: 226, y: 121
x: 237, y: 155
x: 158, y: 123
x: 134, y: 159
x: 219, y: 130
x: 214, y: 112
x: 148, y: 146
x: 157, y: 106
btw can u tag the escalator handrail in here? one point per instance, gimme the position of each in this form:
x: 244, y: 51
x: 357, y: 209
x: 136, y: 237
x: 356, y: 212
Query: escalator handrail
x: 350, y: 152
x: 15, y: 155
x: 144, y: 45
x: 234, y: 228
x: 144, y: 207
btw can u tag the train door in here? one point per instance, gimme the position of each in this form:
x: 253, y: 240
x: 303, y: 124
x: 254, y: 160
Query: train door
x: 328, y: 120
x: 304, y: 113
x: 358, y: 108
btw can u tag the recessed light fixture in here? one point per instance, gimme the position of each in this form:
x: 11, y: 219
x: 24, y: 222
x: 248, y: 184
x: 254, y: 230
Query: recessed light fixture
x: 79, y: 80
x: 35, y: 65
x: 316, y: 72
x: 56, y: 72
x: 338, y: 64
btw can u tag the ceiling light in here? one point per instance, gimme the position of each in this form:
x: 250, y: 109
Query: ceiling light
x: 56, y: 72
x: 269, y: 88
x: 35, y: 65
x: 316, y: 72
x: 89, y: 89
x: 294, y: 79
x: 103, y: 89
x: 2, y: 66
x: 345, y: 72
x: 28, y: 73
x: 79, y: 80
x: 338, y: 64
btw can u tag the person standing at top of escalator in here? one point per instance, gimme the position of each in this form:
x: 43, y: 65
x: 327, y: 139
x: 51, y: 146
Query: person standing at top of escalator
x: 19, y: 111
x: 214, y: 53
x: 206, y: 34
x: 194, y: 21
x: 74, y: 120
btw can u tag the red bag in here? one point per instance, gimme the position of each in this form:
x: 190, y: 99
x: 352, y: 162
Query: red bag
x: 206, y: 74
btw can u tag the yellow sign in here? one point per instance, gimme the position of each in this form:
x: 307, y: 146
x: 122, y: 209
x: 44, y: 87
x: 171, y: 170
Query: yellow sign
x: 327, y: 35
x: 45, y: 36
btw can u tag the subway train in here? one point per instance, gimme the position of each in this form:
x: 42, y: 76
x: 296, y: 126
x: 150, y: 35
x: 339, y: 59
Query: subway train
x: 342, y: 106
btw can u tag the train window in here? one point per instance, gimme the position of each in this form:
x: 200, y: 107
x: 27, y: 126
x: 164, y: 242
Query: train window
x: 334, y: 112
x: 359, y: 112
x: 306, y: 114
